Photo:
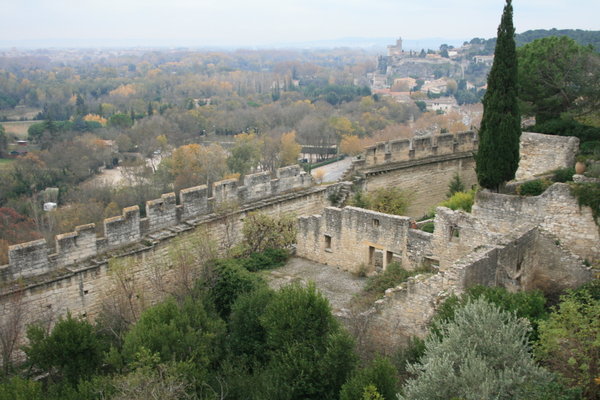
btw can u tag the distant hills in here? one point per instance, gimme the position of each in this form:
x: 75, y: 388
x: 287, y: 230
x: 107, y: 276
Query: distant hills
x: 582, y: 37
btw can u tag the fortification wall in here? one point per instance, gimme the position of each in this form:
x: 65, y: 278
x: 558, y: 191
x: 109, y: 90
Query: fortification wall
x: 419, y: 147
x: 353, y: 238
x: 541, y: 153
x: 30, y: 259
x: 144, y: 269
x: 425, y: 182
x: 556, y: 211
x: 424, y: 166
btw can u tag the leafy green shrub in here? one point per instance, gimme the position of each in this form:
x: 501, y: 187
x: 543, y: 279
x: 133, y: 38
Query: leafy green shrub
x: 268, y: 259
x: 428, y: 227
x: 588, y: 194
x: 460, y: 201
x: 564, y: 175
x: 178, y: 332
x: 533, y: 188
x: 17, y: 388
x: 380, y: 373
x: 456, y: 185
x: 569, y: 341
x: 262, y: 232
x: 231, y: 280
x: 590, y: 148
x: 530, y: 305
x: 72, y: 349
x: 393, y: 275
x: 410, y: 354
x: 390, y: 200
x: 481, y: 354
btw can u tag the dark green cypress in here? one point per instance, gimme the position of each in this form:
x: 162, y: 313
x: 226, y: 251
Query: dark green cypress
x: 498, y: 155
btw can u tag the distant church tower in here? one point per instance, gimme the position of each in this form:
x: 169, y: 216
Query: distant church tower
x: 395, y: 50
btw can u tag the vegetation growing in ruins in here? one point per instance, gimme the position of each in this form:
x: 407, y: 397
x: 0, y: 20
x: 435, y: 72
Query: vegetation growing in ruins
x: 389, y: 200
x: 393, y: 276
x: 497, y: 158
x: 460, y: 201
x: 534, y: 187
x: 263, y: 232
x: 568, y: 339
x: 588, y: 194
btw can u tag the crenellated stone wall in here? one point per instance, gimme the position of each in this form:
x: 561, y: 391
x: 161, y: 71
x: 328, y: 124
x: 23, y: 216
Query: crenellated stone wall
x: 33, y: 258
x: 83, y: 282
x: 424, y: 166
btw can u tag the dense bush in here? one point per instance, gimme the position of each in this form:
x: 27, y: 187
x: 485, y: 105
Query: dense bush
x: 231, y: 280
x: 380, y: 373
x: 564, y: 175
x: 569, y: 339
x: 533, y: 188
x: 460, y: 201
x: 268, y: 259
x: 481, y: 354
x: 588, y: 194
x: 390, y: 200
x: 393, y: 275
x: 530, y: 305
x: 71, y: 351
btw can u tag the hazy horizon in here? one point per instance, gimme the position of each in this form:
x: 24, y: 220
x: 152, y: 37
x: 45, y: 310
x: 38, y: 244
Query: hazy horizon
x: 266, y: 23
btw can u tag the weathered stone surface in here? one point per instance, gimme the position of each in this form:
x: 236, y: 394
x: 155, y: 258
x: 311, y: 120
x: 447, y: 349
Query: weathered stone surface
x: 353, y: 238
x: 541, y: 153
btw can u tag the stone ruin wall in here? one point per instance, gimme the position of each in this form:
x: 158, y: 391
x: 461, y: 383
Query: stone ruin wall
x: 424, y: 166
x: 84, y: 288
x: 353, y: 238
x: 541, y: 153
x: 556, y: 211
x: 34, y: 258
x: 520, y: 256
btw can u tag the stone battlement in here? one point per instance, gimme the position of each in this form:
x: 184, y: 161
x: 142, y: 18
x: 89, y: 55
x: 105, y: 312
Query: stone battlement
x: 420, y: 147
x: 32, y: 258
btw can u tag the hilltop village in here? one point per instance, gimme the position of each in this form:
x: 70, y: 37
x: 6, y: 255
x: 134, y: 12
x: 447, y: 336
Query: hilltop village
x: 298, y: 224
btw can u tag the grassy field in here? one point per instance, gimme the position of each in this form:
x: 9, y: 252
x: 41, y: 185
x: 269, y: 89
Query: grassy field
x: 18, y: 128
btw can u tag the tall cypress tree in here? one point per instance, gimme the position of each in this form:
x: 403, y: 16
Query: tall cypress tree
x: 498, y: 155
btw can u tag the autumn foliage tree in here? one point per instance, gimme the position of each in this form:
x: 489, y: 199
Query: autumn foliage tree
x: 14, y: 228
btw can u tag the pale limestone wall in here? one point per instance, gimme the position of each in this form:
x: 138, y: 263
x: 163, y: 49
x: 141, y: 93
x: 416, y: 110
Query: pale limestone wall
x: 555, y: 211
x: 122, y: 230
x: 350, y: 237
x: 525, y: 260
x: 76, y: 246
x: 424, y: 166
x: 161, y: 212
x: 32, y: 258
x: 541, y: 153
x: 420, y: 147
x: 425, y: 181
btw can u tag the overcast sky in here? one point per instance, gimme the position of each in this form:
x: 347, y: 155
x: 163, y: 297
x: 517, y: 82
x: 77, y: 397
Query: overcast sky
x: 264, y: 22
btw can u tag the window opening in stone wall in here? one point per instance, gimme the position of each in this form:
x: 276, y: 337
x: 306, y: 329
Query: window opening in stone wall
x: 327, y: 242
x: 375, y: 222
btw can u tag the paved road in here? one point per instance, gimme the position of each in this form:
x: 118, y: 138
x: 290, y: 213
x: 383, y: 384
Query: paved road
x: 334, y: 171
